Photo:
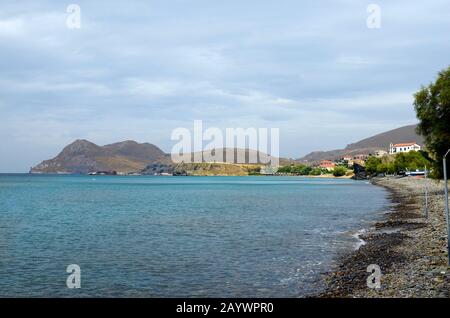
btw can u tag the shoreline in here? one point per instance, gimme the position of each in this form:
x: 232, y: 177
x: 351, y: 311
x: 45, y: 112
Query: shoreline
x: 323, y: 176
x: 410, y: 250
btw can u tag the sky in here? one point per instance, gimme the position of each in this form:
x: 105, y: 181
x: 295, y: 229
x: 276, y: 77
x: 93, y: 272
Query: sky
x: 139, y: 69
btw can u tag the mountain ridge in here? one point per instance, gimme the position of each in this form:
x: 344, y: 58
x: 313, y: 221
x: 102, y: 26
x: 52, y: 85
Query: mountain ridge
x: 83, y: 156
x: 369, y: 145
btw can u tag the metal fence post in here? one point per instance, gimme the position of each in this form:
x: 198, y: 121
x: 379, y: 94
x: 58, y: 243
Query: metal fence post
x: 446, y: 206
x: 426, y: 194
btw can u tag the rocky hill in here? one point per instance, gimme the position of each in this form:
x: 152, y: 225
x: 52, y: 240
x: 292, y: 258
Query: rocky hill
x: 83, y: 156
x: 369, y: 145
x: 236, y: 155
x: 243, y: 162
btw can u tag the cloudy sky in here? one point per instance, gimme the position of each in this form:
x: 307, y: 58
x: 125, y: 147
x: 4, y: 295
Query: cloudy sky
x: 139, y: 69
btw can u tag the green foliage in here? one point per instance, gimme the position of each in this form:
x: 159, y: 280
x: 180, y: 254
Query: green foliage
x: 302, y: 170
x: 316, y: 172
x: 432, y: 105
x: 404, y: 161
x: 284, y: 169
x: 339, y: 171
x: 372, y: 164
x: 388, y: 168
x: 297, y: 169
x: 306, y: 170
x: 410, y: 161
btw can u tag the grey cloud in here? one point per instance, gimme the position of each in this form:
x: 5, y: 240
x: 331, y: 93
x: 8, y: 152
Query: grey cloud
x: 136, y: 70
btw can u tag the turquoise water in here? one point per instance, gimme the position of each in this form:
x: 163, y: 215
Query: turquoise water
x: 177, y: 236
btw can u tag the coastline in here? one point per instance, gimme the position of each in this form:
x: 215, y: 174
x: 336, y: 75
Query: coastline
x: 410, y: 250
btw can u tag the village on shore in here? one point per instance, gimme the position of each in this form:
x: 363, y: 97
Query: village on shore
x: 361, y: 166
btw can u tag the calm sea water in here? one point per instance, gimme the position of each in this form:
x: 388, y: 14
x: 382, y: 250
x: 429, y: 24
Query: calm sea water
x: 177, y: 236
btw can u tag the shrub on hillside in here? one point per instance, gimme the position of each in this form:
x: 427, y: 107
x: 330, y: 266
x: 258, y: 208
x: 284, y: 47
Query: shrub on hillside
x: 339, y: 171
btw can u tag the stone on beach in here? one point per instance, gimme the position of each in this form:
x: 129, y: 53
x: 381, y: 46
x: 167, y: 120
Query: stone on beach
x: 413, y: 258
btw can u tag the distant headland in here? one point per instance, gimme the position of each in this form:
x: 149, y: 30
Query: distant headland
x: 133, y: 158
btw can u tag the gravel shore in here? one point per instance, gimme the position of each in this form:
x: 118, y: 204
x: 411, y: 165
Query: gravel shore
x: 410, y: 250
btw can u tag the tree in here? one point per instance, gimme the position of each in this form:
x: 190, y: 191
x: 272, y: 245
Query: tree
x: 316, y: 172
x: 372, y: 164
x: 413, y: 160
x: 295, y: 169
x: 298, y: 169
x: 432, y: 105
x: 400, y: 163
x: 339, y: 171
x: 306, y: 170
x: 284, y: 169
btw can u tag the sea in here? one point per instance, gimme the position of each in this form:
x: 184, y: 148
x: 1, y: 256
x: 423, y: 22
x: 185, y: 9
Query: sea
x: 158, y: 236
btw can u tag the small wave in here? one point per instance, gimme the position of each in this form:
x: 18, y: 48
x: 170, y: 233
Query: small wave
x: 357, y: 236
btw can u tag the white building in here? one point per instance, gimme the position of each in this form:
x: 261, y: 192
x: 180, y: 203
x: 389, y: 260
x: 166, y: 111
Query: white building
x: 406, y: 147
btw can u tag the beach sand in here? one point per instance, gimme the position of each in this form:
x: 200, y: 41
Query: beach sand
x: 410, y: 250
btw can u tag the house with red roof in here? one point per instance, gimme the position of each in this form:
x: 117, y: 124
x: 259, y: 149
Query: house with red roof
x: 327, y: 164
x: 403, y: 147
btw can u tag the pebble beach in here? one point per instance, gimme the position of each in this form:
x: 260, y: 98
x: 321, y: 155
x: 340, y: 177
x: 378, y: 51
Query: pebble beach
x: 410, y: 249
